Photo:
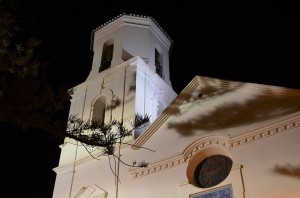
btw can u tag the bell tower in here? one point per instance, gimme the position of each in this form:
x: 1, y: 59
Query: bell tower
x: 129, y: 36
x: 129, y: 76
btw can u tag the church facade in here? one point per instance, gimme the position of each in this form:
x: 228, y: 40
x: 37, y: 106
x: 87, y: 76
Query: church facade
x: 216, y: 138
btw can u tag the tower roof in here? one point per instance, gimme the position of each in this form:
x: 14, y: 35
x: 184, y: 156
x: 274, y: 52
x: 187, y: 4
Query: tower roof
x: 129, y: 15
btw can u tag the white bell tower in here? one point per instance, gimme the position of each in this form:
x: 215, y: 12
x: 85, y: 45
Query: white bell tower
x: 129, y: 36
x: 130, y: 71
x: 129, y: 75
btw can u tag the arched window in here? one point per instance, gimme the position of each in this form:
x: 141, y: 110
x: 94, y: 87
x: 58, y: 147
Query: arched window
x: 158, y: 64
x: 209, y: 167
x: 107, y: 55
x: 99, y: 110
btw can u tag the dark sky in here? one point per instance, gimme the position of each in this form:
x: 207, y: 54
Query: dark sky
x: 253, y: 41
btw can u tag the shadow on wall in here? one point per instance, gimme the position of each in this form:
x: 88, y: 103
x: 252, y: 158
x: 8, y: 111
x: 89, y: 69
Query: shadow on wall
x: 229, y: 114
x: 132, y: 86
x: 114, y: 103
x: 287, y: 170
x: 210, y: 88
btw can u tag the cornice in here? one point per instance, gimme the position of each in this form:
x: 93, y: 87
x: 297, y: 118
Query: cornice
x: 157, y: 167
x: 285, y: 125
x: 204, y: 142
x: 217, y: 140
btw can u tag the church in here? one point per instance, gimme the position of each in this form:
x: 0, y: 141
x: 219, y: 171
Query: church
x: 215, y: 139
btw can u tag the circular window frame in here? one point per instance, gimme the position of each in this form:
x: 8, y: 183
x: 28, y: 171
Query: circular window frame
x: 201, y: 156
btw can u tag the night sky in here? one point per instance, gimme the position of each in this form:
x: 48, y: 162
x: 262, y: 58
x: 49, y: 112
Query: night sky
x: 257, y: 41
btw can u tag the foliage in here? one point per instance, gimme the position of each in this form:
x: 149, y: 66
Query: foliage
x: 104, y: 136
x: 25, y: 98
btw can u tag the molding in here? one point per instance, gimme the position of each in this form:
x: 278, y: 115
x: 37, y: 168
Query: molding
x: 217, y: 140
x: 204, y: 142
x: 157, y: 167
x: 264, y: 132
x: 184, y: 157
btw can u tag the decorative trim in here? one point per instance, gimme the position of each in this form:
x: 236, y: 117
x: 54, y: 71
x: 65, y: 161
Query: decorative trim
x: 204, y: 142
x: 157, y: 167
x: 217, y: 140
x: 264, y: 132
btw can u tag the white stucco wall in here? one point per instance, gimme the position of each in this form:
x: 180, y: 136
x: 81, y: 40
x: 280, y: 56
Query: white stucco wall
x: 253, y: 172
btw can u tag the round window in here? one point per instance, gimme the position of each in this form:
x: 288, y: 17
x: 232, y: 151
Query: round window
x: 212, y: 170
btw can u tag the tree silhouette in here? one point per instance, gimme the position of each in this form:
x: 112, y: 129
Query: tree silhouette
x: 27, y: 100
x: 105, y: 136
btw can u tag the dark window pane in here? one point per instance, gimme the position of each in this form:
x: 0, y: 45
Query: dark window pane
x: 212, y: 171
